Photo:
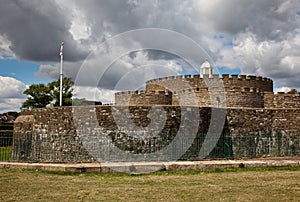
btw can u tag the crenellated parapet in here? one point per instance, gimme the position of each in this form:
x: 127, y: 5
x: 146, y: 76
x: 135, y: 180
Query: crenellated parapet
x: 282, y: 100
x: 229, y: 90
x: 139, y: 98
x: 239, y: 90
x: 226, y: 80
x: 265, y: 84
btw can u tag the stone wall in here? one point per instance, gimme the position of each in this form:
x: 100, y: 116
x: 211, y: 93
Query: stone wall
x: 140, y: 98
x: 234, y: 91
x: 265, y: 84
x: 248, y: 81
x: 48, y: 135
x: 227, y: 91
x: 22, y: 139
x: 282, y: 100
x: 234, y: 97
x: 264, y: 132
x: 61, y: 134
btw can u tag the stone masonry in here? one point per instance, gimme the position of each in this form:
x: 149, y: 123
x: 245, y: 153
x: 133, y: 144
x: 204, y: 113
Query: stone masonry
x: 53, y: 135
x: 227, y: 91
x: 173, y: 118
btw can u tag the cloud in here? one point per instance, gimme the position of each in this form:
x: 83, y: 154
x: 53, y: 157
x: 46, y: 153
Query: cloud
x: 282, y: 89
x: 276, y: 59
x: 95, y: 94
x: 35, y: 30
x: 11, y: 88
x: 48, y: 71
x: 4, y: 48
x: 259, y: 37
x: 267, y: 19
x: 11, y: 104
x: 127, y: 72
x: 11, y: 94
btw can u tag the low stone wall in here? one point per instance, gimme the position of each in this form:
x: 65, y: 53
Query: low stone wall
x: 264, y: 132
x: 282, y: 100
x: 175, y: 82
x: 85, y: 134
x: 234, y: 91
x: 142, y: 98
x: 48, y: 135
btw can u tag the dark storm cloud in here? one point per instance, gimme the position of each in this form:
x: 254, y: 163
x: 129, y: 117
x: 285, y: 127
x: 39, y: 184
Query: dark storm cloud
x: 36, y: 29
x: 269, y: 20
x: 156, y: 55
x: 262, y: 33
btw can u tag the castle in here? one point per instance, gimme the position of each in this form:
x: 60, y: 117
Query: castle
x: 210, y: 91
x: 253, y: 122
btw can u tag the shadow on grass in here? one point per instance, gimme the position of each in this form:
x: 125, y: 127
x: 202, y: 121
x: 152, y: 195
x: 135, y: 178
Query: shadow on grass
x: 173, y: 172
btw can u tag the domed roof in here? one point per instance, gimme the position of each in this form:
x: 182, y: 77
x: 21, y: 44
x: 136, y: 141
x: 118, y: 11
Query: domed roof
x: 206, y: 64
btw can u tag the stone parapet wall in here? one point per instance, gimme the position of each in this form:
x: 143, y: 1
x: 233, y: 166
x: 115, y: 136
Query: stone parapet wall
x: 265, y: 84
x: 141, y: 98
x: 264, y: 132
x: 230, y: 91
x: 233, y: 97
x: 58, y: 134
x: 22, y: 140
x: 244, y: 99
x: 248, y: 81
x: 48, y: 135
x: 282, y: 100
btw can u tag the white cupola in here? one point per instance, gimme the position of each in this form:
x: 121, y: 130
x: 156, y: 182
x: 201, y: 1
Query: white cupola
x: 206, y: 68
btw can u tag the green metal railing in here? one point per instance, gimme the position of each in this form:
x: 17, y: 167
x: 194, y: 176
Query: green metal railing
x: 6, y: 138
x: 228, y: 146
x: 6, y: 141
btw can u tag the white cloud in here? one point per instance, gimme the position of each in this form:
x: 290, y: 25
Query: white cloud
x: 11, y: 104
x: 276, y: 59
x: 4, y: 48
x: 95, y: 94
x: 80, y: 28
x: 11, y: 94
x: 282, y: 89
x: 11, y: 88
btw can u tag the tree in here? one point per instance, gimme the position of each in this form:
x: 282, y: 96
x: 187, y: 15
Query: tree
x: 78, y: 101
x: 67, y: 91
x: 39, y: 95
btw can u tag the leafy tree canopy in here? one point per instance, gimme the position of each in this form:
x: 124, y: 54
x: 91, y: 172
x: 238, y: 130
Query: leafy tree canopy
x: 67, y: 91
x: 39, y: 95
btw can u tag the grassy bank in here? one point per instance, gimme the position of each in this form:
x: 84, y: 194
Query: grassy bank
x: 238, y: 184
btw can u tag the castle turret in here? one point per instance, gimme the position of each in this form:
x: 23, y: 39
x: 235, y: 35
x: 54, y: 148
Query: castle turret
x: 206, y: 68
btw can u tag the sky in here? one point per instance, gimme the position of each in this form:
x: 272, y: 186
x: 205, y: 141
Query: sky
x: 117, y: 45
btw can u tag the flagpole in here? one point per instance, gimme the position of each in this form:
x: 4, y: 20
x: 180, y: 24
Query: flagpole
x: 61, y: 74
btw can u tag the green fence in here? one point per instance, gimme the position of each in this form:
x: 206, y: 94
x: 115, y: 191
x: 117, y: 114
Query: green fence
x: 6, y: 141
x: 228, y: 146
x: 41, y: 148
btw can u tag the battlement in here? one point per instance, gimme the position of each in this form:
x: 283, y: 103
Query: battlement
x: 142, y: 97
x: 214, y: 76
x: 240, y: 90
x: 282, y: 100
x: 139, y: 92
x: 177, y: 77
x: 245, y: 77
x: 292, y: 93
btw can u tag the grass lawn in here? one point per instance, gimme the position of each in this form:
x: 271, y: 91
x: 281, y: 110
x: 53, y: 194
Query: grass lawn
x: 242, y: 184
x: 5, y: 153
